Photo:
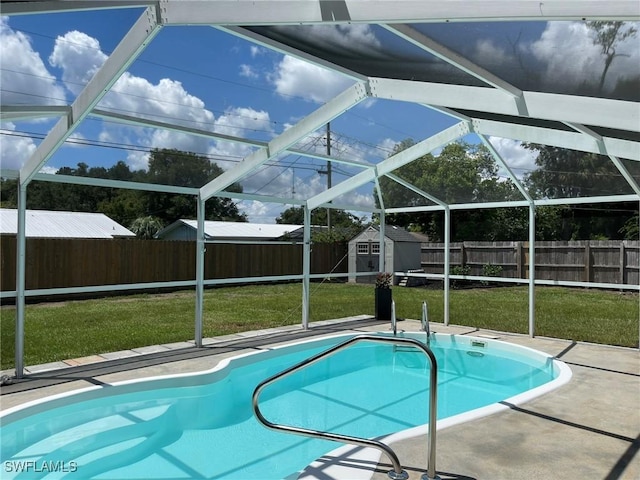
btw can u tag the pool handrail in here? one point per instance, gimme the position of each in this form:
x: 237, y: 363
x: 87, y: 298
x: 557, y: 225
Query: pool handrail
x: 397, y: 473
x: 424, y: 321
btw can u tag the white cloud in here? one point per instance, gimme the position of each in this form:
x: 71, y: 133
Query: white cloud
x: 354, y: 38
x: 15, y: 150
x: 247, y: 71
x: 24, y: 76
x: 256, y: 50
x: 488, y: 54
x: 569, y: 55
x: 357, y: 199
x: 521, y: 160
x: 386, y: 146
x: 79, y: 56
x: 49, y: 170
x: 239, y: 122
x: 297, y: 78
x: 256, y: 211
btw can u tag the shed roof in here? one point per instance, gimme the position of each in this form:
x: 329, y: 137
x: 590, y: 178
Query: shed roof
x: 229, y: 230
x: 397, y: 234
x: 51, y: 224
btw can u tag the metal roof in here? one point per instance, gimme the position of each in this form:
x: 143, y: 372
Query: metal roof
x: 50, y: 224
x: 214, y: 230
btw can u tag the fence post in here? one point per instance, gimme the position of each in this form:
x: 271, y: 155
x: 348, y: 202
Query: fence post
x: 463, y: 255
x: 519, y: 260
x: 587, y: 261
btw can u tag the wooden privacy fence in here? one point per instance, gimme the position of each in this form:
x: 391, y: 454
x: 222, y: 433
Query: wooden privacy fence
x: 59, y: 263
x: 597, y: 261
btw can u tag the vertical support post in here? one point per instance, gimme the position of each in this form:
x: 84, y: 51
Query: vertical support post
x: 382, y: 264
x: 532, y: 269
x: 21, y: 247
x: 623, y: 263
x: 329, y: 173
x: 447, y: 261
x: 306, y: 267
x: 200, y: 251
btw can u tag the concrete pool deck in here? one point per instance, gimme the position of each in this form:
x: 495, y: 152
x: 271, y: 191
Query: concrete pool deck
x: 588, y: 428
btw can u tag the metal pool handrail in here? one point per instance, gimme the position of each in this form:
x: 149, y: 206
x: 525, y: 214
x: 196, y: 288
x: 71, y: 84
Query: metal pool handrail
x: 397, y: 473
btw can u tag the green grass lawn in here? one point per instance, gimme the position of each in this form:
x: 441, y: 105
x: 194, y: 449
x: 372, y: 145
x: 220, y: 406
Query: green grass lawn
x: 58, y: 331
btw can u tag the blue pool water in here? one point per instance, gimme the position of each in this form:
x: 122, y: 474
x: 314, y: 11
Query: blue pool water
x: 202, y: 426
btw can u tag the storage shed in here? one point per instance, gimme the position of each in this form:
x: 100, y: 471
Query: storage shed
x: 402, y: 252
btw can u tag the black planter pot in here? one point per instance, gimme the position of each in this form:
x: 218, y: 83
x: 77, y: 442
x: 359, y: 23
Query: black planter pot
x: 383, y: 303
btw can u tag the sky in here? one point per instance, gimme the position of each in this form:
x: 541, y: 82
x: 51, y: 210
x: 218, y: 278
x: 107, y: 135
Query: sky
x: 205, y: 78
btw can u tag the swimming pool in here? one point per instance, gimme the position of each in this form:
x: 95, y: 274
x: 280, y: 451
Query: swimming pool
x: 201, y: 425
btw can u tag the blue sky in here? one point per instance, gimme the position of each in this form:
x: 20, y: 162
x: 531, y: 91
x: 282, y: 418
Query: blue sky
x: 206, y: 78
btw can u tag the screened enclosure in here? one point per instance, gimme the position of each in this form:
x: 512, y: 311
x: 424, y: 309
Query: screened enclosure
x: 499, y: 74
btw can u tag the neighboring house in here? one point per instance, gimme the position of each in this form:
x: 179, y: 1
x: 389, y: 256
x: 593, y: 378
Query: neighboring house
x: 402, y: 252
x: 50, y: 224
x: 298, y: 233
x: 223, y: 231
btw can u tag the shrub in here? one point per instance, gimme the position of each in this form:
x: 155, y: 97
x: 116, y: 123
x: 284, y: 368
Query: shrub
x: 489, y: 270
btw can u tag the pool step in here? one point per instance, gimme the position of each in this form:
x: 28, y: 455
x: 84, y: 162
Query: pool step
x: 402, y: 348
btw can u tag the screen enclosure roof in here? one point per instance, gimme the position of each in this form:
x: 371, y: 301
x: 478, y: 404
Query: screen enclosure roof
x: 479, y: 63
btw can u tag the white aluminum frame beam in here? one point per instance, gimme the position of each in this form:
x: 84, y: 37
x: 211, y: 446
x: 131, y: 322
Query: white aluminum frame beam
x: 327, y: 112
x: 603, y: 150
x: 200, y: 260
x: 519, y: 203
x: 147, y: 122
x: 142, y: 31
x: 557, y: 138
x: 616, y: 114
x: 37, y: 7
x: 390, y: 164
x: 504, y: 165
x: 107, y: 183
x: 11, y: 113
x: 426, y: 43
x: 625, y: 173
x: 295, y: 12
x: 415, y: 189
x: 133, y: 43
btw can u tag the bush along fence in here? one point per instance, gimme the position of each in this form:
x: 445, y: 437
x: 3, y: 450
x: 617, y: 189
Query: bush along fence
x: 596, y: 261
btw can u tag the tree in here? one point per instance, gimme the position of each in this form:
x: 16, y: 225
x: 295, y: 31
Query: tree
x: 146, y: 227
x: 345, y: 225
x: 461, y: 173
x: 564, y: 173
x: 166, y: 166
x: 631, y: 228
x: 185, y: 169
x: 608, y: 35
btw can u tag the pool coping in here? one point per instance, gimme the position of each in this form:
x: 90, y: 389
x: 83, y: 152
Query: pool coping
x: 410, y: 451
